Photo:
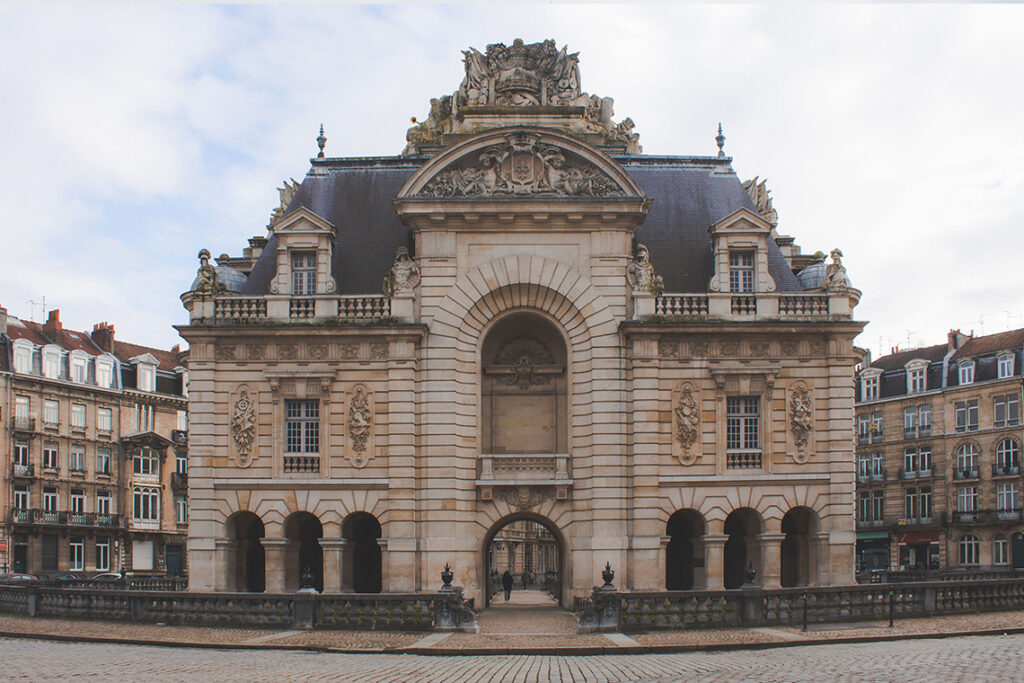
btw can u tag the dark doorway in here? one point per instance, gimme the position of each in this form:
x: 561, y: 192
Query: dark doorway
x: 174, y: 560
x: 684, y: 552
x: 20, y: 565
x: 797, y: 525
x: 742, y: 527
x: 303, y: 532
x: 362, y: 570
x: 1017, y: 550
x: 246, y: 529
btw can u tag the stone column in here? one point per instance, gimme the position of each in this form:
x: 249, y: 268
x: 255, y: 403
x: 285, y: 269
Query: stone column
x: 334, y: 556
x: 225, y: 558
x: 771, y: 552
x: 385, y: 566
x: 274, y: 553
x: 714, y: 561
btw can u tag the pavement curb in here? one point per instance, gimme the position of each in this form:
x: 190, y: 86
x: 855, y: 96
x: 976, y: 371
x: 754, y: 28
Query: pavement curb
x: 569, y: 651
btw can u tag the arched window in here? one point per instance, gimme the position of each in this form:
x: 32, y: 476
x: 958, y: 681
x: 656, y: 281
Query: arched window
x: 1007, y: 455
x: 966, y: 461
x: 969, y: 549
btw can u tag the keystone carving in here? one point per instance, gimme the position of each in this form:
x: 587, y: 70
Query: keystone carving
x: 243, y: 426
x: 360, y: 418
x: 687, y: 424
x: 521, y: 358
x: 800, y: 421
x: 524, y: 497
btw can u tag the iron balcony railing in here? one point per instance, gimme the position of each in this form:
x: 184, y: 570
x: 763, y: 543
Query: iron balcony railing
x: 63, y: 518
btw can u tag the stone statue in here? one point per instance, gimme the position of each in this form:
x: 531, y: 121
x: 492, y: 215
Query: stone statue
x: 206, y: 283
x: 835, y: 274
x: 404, y: 274
x: 640, y: 273
x: 761, y: 196
x: 286, y: 194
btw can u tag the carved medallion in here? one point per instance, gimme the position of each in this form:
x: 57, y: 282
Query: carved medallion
x: 668, y: 347
x: 360, y: 419
x: 790, y: 348
x: 379, y: 351
x: 730, y: 348
x: 243, y: 426
x: 318, y: 351
x: 819, y: 348
x: 760, y: 348
x: 523, y: 497
x: 287, y: 351
x: 687, y: 413
x: 521, y: 358
x: 800, y: 421
x: 225, y: 352
x: 349, y: 351
x: 256, y: 351
x: 699, y: 349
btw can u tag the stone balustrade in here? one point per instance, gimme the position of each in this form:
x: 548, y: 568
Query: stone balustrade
x: 349, y: 308
x: 524, y: 467
x: 758, y: 306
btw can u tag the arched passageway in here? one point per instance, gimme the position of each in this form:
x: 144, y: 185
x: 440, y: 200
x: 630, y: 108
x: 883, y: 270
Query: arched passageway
x: 524, y: 545
x: 742, y: 548
x: 684, y: 569
x: 361, y: 570
x: 246, y: 562
x: 797, y: 555
x: 302, y: 532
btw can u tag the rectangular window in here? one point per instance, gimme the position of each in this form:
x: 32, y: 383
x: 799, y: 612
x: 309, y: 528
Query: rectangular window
x: 21, y: 499
x: 182, y: 420
x: 967, y: 373
x: 78, y: 501
x: 303, y: 273
x: 51, y: 364
x: 51, y: 413
x: 21, y: 453
x: 924, y: 420
x: 967, y: 499
x: 21, y: 410
x: 743, y: 423
x: 863, y: 428
x: 50, y: 456
x: 102, y: 554
x: 877, y: 427
x: 966, y: 414
x: 1005, y: 365
x: 924, y: 502
x: 302, y: 426
x: 105, y: 374
x: 77, y: 416
x: 864, y: 465
x: 143, y: 417
x: 23, y: 359
x: 1007, y: 496
x: 917, y: 380
x: 869, y: 388
x: 1000, y: 551
x: 924, y: 460
x: 878, y: 505
x: 79, y: 370
x: 103, y: 420
x: 910, y: 461
x: 877, y: 465
x: 145, y: 377
x: 181, y: 510
x: 181, y: 463
x: 50, y: 499
x: 1005, y: 411
x: 103, y: 502
x: 741, y: 272
x: 103, y: 461
x: 76, y: 554
x: 910, y: 422
x: 910, y: 503
x: 144, y: 462
x: 76, y: 458
x: 146, y: 505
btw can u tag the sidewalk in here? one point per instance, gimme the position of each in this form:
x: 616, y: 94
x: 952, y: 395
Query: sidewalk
x: 517, y: 628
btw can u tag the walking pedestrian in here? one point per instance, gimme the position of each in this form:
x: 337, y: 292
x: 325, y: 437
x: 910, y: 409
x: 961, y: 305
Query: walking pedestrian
x: 506, y: 583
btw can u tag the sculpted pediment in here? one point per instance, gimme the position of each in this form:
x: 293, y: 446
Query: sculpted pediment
x: 521, y: 162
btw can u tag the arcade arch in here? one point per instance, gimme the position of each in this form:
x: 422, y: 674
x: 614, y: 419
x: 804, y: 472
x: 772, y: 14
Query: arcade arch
x: 246, y: 571
x: 362, y: 568
x: 302, y: 531
x: 798, y: 553
x: 742, y: 547
x: 685, y: 529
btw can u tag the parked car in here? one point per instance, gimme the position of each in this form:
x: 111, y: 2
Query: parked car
x: 18, y: 578
x: 108, y: 576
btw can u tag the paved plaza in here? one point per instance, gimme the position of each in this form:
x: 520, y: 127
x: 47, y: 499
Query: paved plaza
x: 976, y: 658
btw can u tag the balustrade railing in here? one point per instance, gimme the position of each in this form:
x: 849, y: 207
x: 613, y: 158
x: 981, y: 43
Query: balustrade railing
x: 802, y: 305
x: 239, y: 308
x: 681, y: 305
x: 63, y: 517
x: 744, y: 305
x: 301, y: 309
x: 364, y: 308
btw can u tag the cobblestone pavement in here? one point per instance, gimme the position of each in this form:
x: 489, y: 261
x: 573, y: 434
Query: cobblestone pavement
x: 976, y: 658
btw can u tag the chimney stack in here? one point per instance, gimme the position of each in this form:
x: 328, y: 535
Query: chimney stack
x: 103, y: 336
x: 3, y: 320
x: 53, y: 321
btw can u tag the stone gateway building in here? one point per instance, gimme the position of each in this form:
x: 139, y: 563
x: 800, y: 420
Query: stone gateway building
x: 521, y: 317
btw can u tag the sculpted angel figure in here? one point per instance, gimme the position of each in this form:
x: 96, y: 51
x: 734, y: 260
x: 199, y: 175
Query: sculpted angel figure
x: 474, y: 85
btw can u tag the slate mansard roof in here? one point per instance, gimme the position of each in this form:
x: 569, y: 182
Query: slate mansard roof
x: 355, y: 194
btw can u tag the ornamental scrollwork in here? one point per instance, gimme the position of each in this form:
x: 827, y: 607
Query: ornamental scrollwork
x: 687, y: 413
x: 521, y: 358
x: 800, y: 421
x: 360, y: 419
x: 243, y: 426
x: 524, y: 497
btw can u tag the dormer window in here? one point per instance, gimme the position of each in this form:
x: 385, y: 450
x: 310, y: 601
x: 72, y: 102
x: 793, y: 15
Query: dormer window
x: 146, y: 378
x: 967, y: 373
x: 917, y: 380
x: 105, y: 373
x: 741, y: 272
x: 23, y: 356
x: 51, y: 362
x: 869, y: 386
x: 303, y: 273
x: 79, y: 367
x: 1006, y: 365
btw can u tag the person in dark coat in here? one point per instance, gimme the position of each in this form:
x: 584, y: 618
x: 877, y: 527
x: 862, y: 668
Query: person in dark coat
x: 506, y: 583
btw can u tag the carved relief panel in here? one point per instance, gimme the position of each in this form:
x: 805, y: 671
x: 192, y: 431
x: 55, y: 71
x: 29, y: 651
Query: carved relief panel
x: 686, y: 423
x: 800, y: 415
x: 360, y: 426
x: 243, y: 426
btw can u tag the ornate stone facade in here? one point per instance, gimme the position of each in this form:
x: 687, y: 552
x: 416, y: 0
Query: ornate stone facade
x: 676, y: 411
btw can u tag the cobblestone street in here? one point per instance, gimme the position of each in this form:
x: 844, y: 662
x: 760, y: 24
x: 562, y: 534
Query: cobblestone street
x: 977, y: 658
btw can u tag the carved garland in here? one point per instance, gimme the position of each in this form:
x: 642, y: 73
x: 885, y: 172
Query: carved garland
x: 687, y: 412
x: 360, y: 419
x: 800, y: 421
x: 243, y: 426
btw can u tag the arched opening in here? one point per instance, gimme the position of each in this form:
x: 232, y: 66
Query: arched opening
x: 684, y: 554
x: 743, y: 548
x: 528, y: 547
x: 303, y: 531
x: 523, y: 389
x: 246, y: 560
x: 1017, y: 550
x: 361, y: 570
x: 797, y: 554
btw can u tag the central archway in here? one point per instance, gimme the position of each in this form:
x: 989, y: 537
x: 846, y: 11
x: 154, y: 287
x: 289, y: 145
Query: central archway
x: 303, y: 532
x: 524, y: 542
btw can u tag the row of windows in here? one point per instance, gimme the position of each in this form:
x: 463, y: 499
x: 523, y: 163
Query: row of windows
x: 970, y: 550
x: 917, y: 420
x: 51, y: 500
x: 918, y: 460
x: 917, y: 380
x: 50, y: 459
x: 78, y: 368
x: 917, y: 502
x: 144, y: 415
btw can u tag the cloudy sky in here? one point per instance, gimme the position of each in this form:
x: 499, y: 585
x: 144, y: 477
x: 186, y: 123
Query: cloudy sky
x: 134, y: 136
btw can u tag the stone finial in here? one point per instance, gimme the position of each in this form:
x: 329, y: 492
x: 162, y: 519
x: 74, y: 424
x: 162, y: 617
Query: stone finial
x: 720, y: 141
x: 321, y: 140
